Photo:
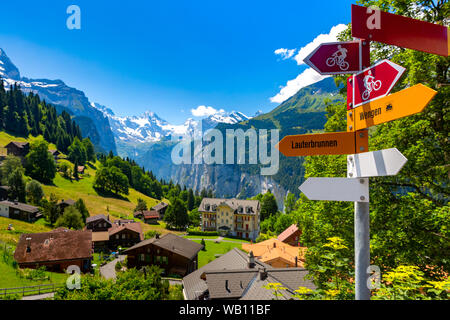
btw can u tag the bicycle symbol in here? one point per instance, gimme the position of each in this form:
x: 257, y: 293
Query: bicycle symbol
x: 371, y: 85
x: 339, y: 61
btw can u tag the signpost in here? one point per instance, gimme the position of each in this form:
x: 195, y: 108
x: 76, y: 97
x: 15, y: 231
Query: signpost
x: 323, y: 144
x: 381, y: 163
x: 336, y: 189
x: 375, y: 82
x: 388, y: 28
x: 368, y: 104
x: 336, y: 58
x: 395, y: 106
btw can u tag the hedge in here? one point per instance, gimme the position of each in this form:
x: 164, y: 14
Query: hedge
x: 199, y: 232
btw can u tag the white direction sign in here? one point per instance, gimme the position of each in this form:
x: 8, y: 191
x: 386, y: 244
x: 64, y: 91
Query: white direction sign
x: 336, y: 189
x: 380, y: 163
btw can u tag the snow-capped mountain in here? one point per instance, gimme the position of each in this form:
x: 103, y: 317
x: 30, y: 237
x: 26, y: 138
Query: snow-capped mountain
x: 149, y: 127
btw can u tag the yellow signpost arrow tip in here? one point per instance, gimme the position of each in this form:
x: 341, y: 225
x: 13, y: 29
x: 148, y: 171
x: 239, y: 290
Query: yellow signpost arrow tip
x: 395, y: 106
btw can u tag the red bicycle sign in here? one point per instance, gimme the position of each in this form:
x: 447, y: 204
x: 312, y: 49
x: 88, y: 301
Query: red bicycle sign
x: 375, y: 82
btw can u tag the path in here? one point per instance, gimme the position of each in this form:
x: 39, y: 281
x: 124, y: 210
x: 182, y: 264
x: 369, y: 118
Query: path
x: 39, y: 296
x: 108, y: 271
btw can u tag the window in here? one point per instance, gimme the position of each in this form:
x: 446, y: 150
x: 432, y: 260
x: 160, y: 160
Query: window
x: 142, y: 257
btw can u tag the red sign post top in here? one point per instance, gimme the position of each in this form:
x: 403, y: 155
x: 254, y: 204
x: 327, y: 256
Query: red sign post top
x: 384, y: 27
x: 375, y: 82
x: 336, y: 58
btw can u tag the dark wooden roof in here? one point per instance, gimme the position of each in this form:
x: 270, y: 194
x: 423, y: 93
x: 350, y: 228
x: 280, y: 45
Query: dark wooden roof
x: 69, y: 202
x: 173, y: 243
x: 97, y: 217
x: 133, y: 227
x: 17, y: 144
x: 60, y: 244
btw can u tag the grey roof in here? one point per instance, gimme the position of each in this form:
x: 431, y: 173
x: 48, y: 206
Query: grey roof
x: 239, y: 206
x: 159, y: 206
x: 234, y: 259
x: 249, y: 285
x: 69, y: 202
x: 181, y: 246
x: 21, y: 206
x: 229, y: 284
x: 96, y: 218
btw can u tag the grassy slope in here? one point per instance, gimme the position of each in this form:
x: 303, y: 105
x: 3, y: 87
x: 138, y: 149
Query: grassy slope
x: 97, y: 204
x: 6, y: 138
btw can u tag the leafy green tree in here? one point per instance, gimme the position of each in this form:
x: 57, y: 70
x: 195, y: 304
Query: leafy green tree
x: 10, y: 164
x: 82, y: 209
x: 118, y: 181
x: 141, y: 205
x: 77, y: 152
x: 176, y: 215
x: 34, y: 192
x: 40, y: 164
x: 190, y: 200
x: 145, y: 284
x: 289, y: 203
x: 71, y: 219
x: 90, y: 152
x: 50, y: 209
x: 16, y: 183
x: 194, y: 218
x: 269, y: 205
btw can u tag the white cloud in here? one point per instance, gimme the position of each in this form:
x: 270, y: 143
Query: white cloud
x: 309, y: 76
x: 285, y: 53
x: 204, y: 111
x: 322, y: 38
x: 304, y: 79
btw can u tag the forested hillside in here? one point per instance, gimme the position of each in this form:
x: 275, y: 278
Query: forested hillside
x: 22, y: 114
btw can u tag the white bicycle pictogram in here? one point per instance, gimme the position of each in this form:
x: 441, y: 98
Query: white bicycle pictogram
x: 338, y: 58
x: 371, y: 85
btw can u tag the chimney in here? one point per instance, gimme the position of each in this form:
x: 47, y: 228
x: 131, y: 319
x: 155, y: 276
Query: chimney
x: 251, y: 260
x: 274, y: 244
x: 262, y: 274
x: 28, y: 244
x: 157, y: 236
x: 226, y: 286
x: 296, y: 261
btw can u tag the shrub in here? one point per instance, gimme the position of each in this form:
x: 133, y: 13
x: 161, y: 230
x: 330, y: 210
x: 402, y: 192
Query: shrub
x: 198, y: 232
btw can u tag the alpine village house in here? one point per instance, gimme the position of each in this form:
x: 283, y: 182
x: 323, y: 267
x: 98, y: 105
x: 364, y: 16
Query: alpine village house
x: 238, y: 218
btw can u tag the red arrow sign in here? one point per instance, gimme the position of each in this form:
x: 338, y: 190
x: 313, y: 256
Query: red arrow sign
x: 376, y: 25
x: 336, y: 58
x: 375, y: 82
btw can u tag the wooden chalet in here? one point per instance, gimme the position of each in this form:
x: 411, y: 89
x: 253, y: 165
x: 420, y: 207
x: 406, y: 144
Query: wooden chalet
x: 98, y: 223
x: 125, y: 234
x: 173, y: 254
x: 291, y: 235
x: 148, y: 216
x: 19, y: 211
x: 56, y: 250
x: 63, y: 204
x: 18, y: 149
x: 161, y: 209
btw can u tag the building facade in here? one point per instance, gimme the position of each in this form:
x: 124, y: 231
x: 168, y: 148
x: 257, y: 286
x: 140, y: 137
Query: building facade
x: 238, y: 218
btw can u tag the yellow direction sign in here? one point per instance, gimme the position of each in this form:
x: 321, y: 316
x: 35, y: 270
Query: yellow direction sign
x: 395, y: 106
x: 323, y: 144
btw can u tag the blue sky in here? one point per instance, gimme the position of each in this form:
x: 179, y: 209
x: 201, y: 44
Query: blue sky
x: 168, y: 56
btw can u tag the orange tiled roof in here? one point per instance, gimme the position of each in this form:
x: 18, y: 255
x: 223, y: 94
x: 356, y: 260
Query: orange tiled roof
x: 273, y: 249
